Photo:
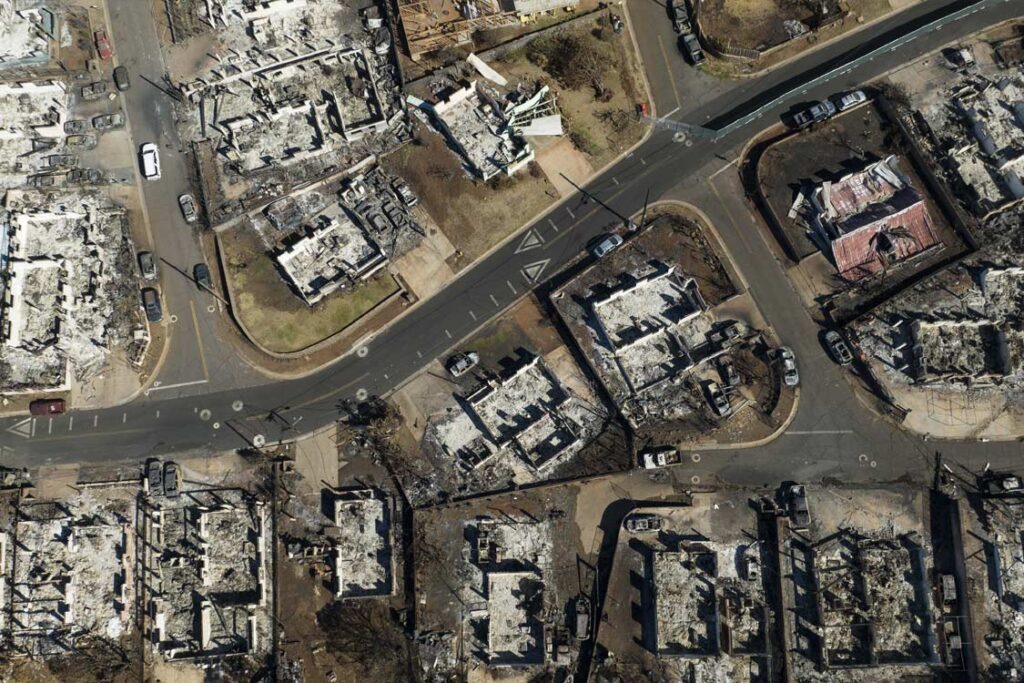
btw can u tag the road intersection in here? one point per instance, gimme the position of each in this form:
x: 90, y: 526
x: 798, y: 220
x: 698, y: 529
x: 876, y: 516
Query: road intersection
x: 833, y: 435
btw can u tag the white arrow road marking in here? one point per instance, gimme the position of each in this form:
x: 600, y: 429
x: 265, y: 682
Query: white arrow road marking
x: 532, y: 271
x: 531, y: 240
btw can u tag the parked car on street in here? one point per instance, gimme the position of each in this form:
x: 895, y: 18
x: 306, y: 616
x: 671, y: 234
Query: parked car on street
x: 147, y: 265
x: 151, y: 302
x: 46, y: 406
x: 83, y: 141
x: 103, y: 45
x: 84, y: 176
x: 188, y: 208
x: 74, y: 126
x: 461, y: 363
x: 405, y: 194
x: 94, y: 91
x: 727, y: 371
x: 680, y: 17
x: 643, y: 521
x: 838, y: 348
x: 606, y: 246
x: 121, y: 80
x: 155, y: 477
x: 790, y: 374
x: 108, y: 121
x: 171, y: 473
x: 150, y: 158
x: 799, y: 512
x: 691, y: 48
x: 726, y: 335
x: 815, y: 113
x: 654, y: 458
x: 717, y: 399
x: 62, y: 160
x: 1002, y: 484
x: 201, y: 273
x: 39, y: 181
x: 849, y: 100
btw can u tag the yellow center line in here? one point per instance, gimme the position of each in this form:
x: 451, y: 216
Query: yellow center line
x: 668, y: 68
x: 199, y: 340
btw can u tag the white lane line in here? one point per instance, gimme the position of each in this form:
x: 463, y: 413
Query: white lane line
x: 49, y: 427
x: 385, y: 377
x: 95, y: 421
x: 642, y: 162
x: 449, y: 334
x: 124, y: 417
x: 472, y: 315
x: 496, y: 304
x: 724, y: 168
x: 571, y: 213
x: 71, y: 423
x: 553, y: 226
x: 419, y: 354
x: 665, y: 116
x: 33, y: 433
x: 614, y: 180
x: 512, y: 287
x: 176, y: 386
x: 820, y: 431
x: 158, y: 413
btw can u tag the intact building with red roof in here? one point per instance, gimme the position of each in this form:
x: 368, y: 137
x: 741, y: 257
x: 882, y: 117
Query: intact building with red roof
x: 872, y: 219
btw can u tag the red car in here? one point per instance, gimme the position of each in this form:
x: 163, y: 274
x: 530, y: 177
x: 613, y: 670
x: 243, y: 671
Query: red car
x: 47, y: 406
x: 103, y: 44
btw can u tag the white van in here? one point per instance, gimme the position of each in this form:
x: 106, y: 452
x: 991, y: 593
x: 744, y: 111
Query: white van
x: 150, y: 161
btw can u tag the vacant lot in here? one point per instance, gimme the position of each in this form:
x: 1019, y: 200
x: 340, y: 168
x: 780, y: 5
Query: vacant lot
x: 760, y: 25
x: 273, y: 315
x: 474, y: 215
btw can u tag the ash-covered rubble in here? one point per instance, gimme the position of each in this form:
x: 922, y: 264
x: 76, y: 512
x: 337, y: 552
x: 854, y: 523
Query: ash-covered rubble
x: 976, y: 127
x: 488, y: 124
x: 69, y: 567
x: 334, y: 235
x: 207, y: 574
x: 298, y: 89
x: 521, y: 425
x: 68, y: 294
x: 961, y: 328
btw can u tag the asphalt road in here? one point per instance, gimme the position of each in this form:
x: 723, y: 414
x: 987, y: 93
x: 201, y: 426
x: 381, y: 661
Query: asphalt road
x: 195, y: 359
x: 832, y: 435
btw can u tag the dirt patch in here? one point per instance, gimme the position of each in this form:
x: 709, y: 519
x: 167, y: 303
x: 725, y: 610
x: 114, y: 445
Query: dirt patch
x: 474, y: 215
x: 758, y: 25
x: 277, y: 318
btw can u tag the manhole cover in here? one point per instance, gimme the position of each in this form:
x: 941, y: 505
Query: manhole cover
x: 695, y: 457
x: 361, y: 394
x: 211, y: 308
x: 216, y: 425
x: 237, y: 406
x: 259, y: 441
x: 174, y: 318
x: 679, y: 137
x: 863, y: 457
x: 874, y: 464
x: 205, y: 414
x: 362, y: 351
x: 695, y: 479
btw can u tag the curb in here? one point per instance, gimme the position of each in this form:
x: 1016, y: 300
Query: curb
x: 517, y: 233
x: 816, y: 46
